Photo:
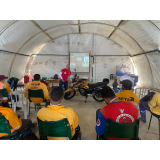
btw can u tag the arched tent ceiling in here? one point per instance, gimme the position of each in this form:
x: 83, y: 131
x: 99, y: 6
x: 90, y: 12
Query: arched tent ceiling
x: 25, y: 37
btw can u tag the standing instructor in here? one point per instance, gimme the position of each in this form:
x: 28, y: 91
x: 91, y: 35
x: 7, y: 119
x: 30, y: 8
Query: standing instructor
x: 64, y: 77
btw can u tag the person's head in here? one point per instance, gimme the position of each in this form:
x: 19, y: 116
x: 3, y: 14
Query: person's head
x: 37, y: 77
x: 67, y: 66
x: 56, y: 95
x: 107, y: 94
x: 3, y: 78
x: 126, y: 84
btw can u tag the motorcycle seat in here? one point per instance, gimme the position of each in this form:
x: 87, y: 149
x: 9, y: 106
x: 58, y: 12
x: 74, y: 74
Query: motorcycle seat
x: 95, y: 85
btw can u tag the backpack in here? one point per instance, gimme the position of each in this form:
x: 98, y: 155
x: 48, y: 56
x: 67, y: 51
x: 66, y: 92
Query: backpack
x: 27, y: 135
x: 55, y: 76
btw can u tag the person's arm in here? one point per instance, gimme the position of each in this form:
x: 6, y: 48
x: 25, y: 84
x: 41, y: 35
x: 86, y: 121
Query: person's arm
x: 26, y: 89
x: 60, y: 75
x: 101, y: 123
x: 7, y: 88
x: 45, y: 91
x: 118, y: 81
x: 73, y: 120
x: 146, y: 98
x: 14, y: 121
x: 137, y: 99
x: 153, y: 101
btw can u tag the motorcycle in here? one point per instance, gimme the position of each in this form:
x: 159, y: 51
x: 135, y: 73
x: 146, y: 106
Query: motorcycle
x: 85, y: 89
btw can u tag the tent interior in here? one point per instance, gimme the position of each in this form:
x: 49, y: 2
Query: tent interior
x: 28, y: 47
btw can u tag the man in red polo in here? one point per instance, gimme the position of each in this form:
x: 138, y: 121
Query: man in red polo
x: 64, y: 74
x: 118, y: 111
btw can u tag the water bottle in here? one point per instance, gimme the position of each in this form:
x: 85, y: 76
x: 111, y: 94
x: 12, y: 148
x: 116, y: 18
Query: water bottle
x: 149, y: 92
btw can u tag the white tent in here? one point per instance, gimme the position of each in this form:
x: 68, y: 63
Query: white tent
x: 43, y: 46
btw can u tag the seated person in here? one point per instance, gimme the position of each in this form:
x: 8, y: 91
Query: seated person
x: 55, y: 111
x: 149, y: 103
x: 118, y: 111
x: 127, y: 94
x: 14, y: 122
x: 2, y: 86
x: 36, y: 85
x: 123, y: 76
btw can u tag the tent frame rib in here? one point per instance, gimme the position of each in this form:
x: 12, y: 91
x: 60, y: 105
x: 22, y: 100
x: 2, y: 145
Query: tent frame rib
x: 156, y: 50
x: 154, y: 25
x: 79, y: 25
x: 43, y: 31
x: 5, y: 28
x: 38, y: 26
x: 16, y: 53
x: 116, y: 28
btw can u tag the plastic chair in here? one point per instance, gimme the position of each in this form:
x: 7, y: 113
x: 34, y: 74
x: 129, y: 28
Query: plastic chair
x: 59, y: 128
x: 35, y: 94
x: 24, y: 106
x: 118, y: 130
x: 158, y: 117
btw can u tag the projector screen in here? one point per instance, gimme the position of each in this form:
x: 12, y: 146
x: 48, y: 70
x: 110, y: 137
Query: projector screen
x: 80, y: 62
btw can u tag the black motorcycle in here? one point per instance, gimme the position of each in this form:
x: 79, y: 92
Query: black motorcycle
x: 85, y: 89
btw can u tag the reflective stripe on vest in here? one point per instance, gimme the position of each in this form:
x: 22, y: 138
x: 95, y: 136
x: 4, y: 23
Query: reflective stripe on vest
x: 4, y: 98
x: 2, y: 85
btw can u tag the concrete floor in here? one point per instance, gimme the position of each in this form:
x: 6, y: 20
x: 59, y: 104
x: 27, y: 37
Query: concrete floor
x: 87, y: 118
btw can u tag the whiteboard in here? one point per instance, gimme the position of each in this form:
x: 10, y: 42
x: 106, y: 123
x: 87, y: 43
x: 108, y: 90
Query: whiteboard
x: 80, y: 62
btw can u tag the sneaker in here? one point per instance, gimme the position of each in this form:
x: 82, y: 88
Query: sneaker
x: 144, y: 121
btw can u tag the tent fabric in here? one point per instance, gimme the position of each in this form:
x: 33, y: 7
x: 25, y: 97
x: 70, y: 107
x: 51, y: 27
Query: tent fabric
x: 58, y: 46
x: 100, y: 37
x: 104, y: 66
x: 144, y: 70
x: 48, y: 65
x: 18, y: 67
x: 5, y: 61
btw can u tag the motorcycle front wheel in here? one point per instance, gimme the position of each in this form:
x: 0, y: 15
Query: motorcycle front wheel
x: 69, y: 95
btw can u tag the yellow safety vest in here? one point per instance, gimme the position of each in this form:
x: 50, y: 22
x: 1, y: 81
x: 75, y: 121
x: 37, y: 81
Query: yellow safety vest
x: 5, y: 99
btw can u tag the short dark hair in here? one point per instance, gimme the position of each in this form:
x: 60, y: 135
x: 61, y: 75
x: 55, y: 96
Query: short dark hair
x: 37, y: 77
x: 56, y: 94
x: 127, y: 84
x: 107, y: 92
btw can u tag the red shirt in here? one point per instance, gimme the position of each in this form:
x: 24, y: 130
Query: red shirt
x: 121, y: 112
x: 65, y: 74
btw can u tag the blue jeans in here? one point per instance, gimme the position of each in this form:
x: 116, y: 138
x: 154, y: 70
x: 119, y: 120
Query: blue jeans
x: 61, y: 83
x: 143, y: 106
x: 116, y: 90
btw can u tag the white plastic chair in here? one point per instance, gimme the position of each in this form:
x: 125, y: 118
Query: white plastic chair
x: 24, y: 106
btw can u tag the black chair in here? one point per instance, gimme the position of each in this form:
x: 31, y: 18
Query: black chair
x: 158, y: 117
